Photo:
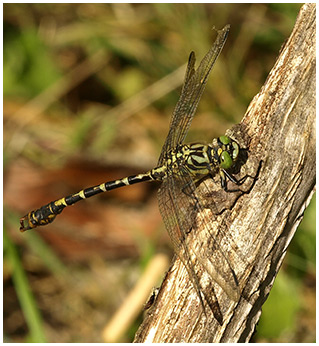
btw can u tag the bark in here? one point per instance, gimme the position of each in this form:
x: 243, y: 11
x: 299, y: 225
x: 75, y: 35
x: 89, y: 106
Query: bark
x: 278, y: 130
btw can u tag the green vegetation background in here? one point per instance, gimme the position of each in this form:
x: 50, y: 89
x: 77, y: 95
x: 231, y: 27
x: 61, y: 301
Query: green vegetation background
x: 77, y: 94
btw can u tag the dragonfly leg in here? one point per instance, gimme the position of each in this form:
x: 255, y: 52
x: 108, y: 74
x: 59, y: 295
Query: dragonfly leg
x: 224, y: 175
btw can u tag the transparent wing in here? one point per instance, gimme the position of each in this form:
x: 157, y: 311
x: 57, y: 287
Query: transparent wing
x: 176, y: 225
x: 193, y: 87
x: 220, y: 251
x: 181, y: 207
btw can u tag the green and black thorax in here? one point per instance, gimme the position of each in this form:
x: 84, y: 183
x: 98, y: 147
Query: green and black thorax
x: 198, y: 159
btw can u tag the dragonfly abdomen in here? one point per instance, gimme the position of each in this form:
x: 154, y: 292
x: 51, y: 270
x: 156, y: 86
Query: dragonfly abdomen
x: 47, y: 213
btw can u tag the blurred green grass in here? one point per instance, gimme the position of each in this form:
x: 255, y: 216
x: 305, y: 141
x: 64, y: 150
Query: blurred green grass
x: 76, y: 86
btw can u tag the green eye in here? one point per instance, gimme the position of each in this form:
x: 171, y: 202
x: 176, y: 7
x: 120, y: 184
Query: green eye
x: 225, y: 160
x: 224, y: 139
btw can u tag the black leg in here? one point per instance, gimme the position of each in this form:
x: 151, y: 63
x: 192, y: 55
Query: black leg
x: 224, y: 175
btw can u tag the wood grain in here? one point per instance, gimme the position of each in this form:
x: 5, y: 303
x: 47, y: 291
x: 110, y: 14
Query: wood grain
x: 278, y: 130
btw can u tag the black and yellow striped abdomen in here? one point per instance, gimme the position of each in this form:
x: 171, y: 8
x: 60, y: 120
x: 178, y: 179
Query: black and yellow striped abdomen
x: 47, y: 213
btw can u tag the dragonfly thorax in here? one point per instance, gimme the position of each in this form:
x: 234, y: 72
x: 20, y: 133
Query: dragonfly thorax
x: 198, y: 159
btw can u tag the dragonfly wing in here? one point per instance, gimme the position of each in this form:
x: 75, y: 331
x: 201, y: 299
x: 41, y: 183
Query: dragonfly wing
x: 193, y: 87
x: 178, y: 219
x: 220, y: 252
x: 176, y: 226
x: 182, y: 209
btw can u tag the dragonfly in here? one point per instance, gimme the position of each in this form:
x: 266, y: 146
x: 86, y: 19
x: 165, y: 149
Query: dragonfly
x: 180, y: 167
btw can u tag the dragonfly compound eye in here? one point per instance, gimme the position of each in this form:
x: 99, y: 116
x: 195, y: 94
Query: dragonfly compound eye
x: 225, y: 160
x: 224, y: 140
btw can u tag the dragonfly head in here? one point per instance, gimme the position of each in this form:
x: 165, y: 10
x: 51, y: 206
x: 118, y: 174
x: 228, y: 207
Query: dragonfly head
x: 227, y: 152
